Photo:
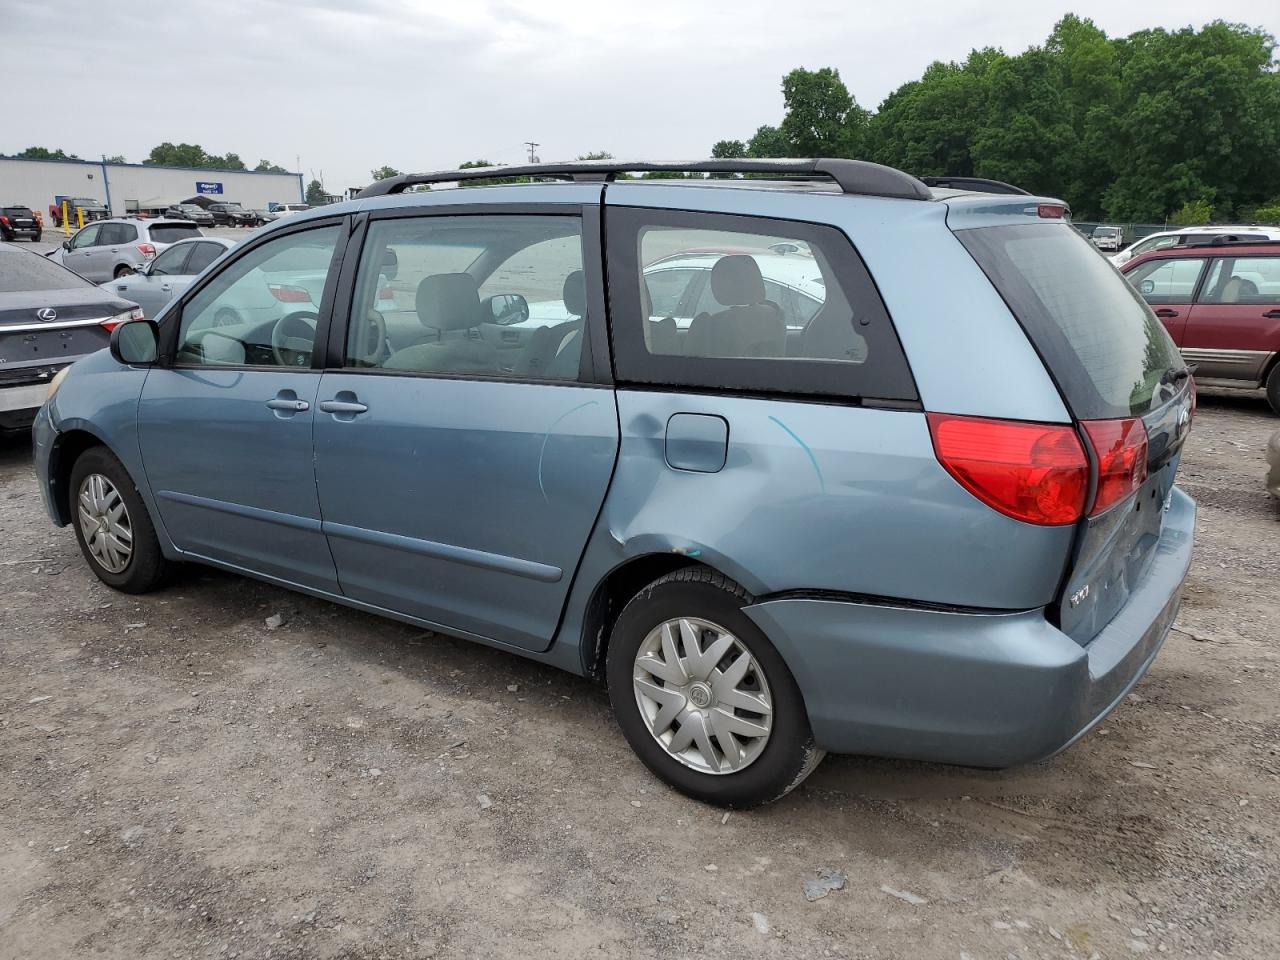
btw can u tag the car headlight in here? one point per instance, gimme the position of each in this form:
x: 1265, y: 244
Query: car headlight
x: 56, y: 382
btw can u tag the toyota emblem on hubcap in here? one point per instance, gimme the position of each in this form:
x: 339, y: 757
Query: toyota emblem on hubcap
x: 47, y: 314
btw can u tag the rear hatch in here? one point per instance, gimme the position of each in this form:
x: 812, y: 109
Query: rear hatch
x: 1112, y: 362
x: 163, y: 234
x: 20, y: 218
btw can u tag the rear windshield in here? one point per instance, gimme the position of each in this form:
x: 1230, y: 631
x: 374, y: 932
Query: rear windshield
x: 16, y: 211
x: 23, y: 271
x: 1102, y: 343
x: 173, y: 232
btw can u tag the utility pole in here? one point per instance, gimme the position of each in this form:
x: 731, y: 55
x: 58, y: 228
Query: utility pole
x: 533, y: 157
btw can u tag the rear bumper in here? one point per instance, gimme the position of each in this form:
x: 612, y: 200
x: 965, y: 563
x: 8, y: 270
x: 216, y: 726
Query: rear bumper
x: 987, y: 690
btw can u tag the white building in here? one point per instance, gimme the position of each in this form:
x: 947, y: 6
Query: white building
x: 127, y: 187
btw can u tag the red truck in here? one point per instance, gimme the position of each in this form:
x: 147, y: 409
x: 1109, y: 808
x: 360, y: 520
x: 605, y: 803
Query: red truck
x: 1220, y: 301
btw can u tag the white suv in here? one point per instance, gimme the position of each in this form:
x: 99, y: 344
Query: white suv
x: 1173, y: 238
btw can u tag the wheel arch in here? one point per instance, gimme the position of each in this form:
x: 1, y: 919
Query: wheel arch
x: 613, y: 592
x: 67, y: 449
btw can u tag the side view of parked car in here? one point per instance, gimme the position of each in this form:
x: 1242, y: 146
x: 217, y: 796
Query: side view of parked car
x: 232, y: 215
x: 190, y: 211
x: 154, y: 284
x: 1221, y: 304
x: 110, y: 249
x: 1190, y: 235
x: 20, y: 223
x: 927, y: 520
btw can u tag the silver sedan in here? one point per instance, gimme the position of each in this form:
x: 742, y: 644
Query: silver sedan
x: 169, y: 274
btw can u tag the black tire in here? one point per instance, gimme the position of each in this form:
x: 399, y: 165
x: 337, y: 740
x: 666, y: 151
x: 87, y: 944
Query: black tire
x: 789, y: 754
x: 123, y: 271
x: 147, y: 567
x: 36, y: 238
x: 1273, y: 388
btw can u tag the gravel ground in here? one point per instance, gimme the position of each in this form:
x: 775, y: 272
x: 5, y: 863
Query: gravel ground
x: 178, y: 780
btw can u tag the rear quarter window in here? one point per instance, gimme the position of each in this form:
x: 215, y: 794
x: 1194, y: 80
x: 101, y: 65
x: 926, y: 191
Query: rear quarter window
x: 728, y: 302
x: 1102, y: 344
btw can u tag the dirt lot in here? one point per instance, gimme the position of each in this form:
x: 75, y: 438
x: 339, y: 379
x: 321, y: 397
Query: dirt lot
x: 178, y: 780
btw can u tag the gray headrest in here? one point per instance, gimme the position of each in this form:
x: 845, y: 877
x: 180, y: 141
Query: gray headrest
x: 736, y: 281
x: 449, y: 301
x: 574, y: 294
x: 646, y: 299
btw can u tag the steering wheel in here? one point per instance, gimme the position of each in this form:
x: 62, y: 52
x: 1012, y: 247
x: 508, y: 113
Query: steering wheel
x: 372, y: 336
x: 293, y: 338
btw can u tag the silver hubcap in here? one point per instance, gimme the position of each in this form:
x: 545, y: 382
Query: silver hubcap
x: 104, y: 523
x: 702, y: 695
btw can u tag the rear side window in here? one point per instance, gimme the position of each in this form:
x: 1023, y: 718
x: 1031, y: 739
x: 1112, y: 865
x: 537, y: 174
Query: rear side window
x: 117, y: 233
x: 717, y: 301
x: 1103, y: 345
x: 21, y: 271
x: 173, y: 232
x: 1243, y: 280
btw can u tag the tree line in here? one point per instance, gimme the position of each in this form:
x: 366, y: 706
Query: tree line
x: 1181, y: 125
x: 165, y: 155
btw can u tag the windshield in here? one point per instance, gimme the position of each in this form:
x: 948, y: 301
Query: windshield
x: 1101, y: 342
x: 22, y: 272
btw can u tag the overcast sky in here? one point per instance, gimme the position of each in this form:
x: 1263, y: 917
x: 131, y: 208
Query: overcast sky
x: 348, y: 85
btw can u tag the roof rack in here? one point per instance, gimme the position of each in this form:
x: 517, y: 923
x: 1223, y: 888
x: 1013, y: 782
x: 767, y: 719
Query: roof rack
x: 1227, y: 239
x: 976, y: 184
x: 852, y: 176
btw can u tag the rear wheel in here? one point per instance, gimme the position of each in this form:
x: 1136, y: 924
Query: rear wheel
x: 112, y: 525
x: 702, y: 696
x: 1273, y: 388
x: 123, y: 270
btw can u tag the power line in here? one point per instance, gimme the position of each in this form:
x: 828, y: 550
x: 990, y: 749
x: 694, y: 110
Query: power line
x: 533, y: 157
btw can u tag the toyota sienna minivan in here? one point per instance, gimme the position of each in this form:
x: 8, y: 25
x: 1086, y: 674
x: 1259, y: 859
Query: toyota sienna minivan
x: 820, y: 459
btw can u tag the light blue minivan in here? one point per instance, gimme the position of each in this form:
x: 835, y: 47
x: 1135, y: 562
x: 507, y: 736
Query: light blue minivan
x: 801, y: 456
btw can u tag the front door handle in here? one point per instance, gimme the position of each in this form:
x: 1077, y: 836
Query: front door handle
x: 290, y: 404
x: 1272, y: 314
x: 342, y: 406
x: 1166, y: 312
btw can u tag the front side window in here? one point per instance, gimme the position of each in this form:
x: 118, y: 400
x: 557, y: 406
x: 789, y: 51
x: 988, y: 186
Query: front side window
x: 499, y: 295
x: 1243, y: 280
x: 772, y: 306
x: 87, y: 237
x: 171, y: 261
x: 262, y: 309
x: 1167, y: 281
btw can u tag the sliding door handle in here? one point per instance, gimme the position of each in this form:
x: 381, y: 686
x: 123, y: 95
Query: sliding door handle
x: 342, y: 406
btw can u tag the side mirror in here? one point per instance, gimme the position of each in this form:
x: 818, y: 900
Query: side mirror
x: 66, y: 244
x: 505, y: 309
x: 136, y: 342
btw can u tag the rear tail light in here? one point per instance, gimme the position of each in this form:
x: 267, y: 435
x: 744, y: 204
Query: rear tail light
x: 288, y: 293
x: 1121, y: 449
x: 122, y: 317
x: 1033, y: 472
x: 384, y: 293
x: 1051, y: 211
x: 147, y: 250
x: 4, y: 220
x: 39, y: 219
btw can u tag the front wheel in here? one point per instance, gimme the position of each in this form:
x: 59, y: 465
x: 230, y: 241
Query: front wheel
x: 702, y: 696
x: 112, y: 525
x: 1273, y: 388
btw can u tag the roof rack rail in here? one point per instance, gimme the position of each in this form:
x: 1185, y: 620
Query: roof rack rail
x: 1227, y: 239
x: 976, y: 184
x: 852, y: 176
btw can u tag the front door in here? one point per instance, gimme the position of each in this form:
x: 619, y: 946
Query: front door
x: 458, y: 481
x: 1169, y: 286
x: 152, y: 289
x: 81, y: 247
x: 226, y: 428
x: 1234, y: 328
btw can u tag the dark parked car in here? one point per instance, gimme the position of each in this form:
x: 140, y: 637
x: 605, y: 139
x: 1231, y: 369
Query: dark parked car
x: 48, y: 318
x: 89, y: 208
x: 232, y: 215
x: 190, y: 211
x: 18, y: 222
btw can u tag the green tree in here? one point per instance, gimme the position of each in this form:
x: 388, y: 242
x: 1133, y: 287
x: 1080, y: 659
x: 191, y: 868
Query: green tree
x: 315, y: 194
x: 1192, y: 213
x: 117, y: 158
x: 1268, y: 213
x: 384, y: 173
x: 177, y: 155
x: 44, y: 153
x: 597, y: 155
x: 822, y: 119
x: 490, y: 181
x: 768, y: 142
x: 266, y: 166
